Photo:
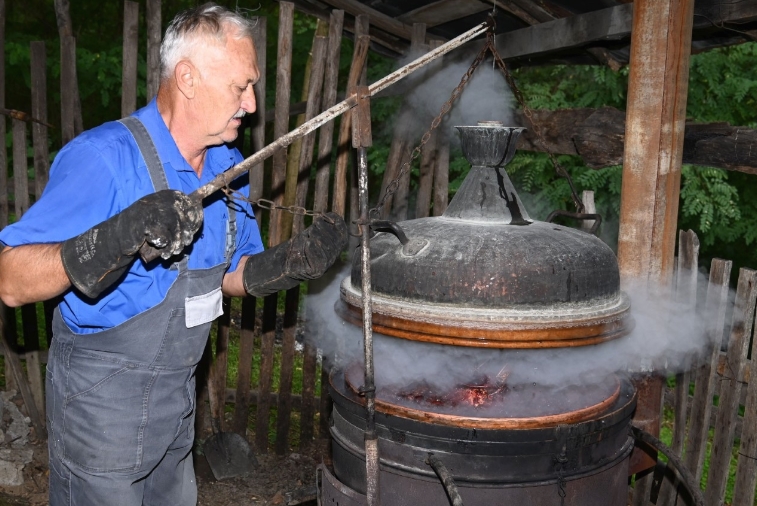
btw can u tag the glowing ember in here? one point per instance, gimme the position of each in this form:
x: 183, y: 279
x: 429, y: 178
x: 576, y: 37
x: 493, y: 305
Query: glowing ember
x: 477, y: 393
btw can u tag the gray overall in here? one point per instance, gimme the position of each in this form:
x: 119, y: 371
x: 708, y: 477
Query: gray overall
x: 121, y: 402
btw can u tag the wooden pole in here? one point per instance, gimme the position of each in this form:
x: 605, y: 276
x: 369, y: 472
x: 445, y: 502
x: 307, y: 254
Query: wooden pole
x: 154, y: 35
x: 39, y: 111
x: 66, y: 29
x: 359, y: 57
x: 730, y: 386
x: 281, y: 119
x: 67, y: 88
x: 657, y: 89
x: 298, y: 157
x: 308, y: 141
x: 326, y: 133
x: 4, y: 211
x: 362, y: 27
x: 130, y: 53
x: 257, y: 124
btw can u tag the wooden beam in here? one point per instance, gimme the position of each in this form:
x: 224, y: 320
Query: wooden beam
x: 613, y: 23
x: 655, y: 119
x: 378, y: 19
x: 575, y: 31
x: 598, y: 136
x: 443, y: 11
x: 382, y: 42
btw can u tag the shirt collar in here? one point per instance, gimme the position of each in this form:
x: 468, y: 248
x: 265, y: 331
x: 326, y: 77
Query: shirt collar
x: 217, y: 159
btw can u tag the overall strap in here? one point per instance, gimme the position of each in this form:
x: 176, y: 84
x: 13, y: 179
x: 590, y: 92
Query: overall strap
x: 148, y: 150
x: 154, y: 165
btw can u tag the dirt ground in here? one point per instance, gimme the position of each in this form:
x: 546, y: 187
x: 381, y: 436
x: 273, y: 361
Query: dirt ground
x: 278, y: 480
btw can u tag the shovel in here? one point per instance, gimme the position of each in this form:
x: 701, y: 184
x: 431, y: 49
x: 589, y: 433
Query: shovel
x: 228, y: 454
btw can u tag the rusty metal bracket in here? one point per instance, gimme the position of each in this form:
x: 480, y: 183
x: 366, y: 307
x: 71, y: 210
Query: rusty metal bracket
x: 361, y: 117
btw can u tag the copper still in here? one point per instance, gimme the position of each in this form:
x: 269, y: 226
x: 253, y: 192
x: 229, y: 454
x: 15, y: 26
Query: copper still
x: 486, y: 276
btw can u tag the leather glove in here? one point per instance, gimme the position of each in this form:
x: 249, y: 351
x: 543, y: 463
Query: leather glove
x: 167, y: 220
x: 305, y: 256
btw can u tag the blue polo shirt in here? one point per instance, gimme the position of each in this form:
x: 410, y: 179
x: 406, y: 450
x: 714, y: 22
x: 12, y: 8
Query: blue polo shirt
x: 99, y: 174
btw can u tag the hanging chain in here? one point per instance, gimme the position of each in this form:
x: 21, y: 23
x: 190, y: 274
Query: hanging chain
x: 271, y: 205
x: 528, y: 112
x: 392, y: 186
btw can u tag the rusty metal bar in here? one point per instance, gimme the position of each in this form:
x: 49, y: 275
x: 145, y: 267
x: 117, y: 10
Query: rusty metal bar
x: 223, y: 179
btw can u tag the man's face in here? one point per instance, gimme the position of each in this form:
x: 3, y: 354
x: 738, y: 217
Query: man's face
x: 224, y: 93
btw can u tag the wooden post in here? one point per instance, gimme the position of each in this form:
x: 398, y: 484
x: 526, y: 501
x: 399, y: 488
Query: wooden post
x: 244, y: 371
x: 130, y: 53
x: 746, y: 470
x: 362, y: 27
x: 267, y: 338
x: 154, y: 36
x: 220, y: 362
x: 730, y: 386
x: 308, y: 141
x: 295, y: 149
x: 686, y: 294
x: 68, y: 90
x: 326, y: 133
x: 4, y: 211
x: 41, y: 156
x: 66, y: 29
x: 704, y: 386
x: 657, y: 89
x: 257, y: 123
x: 359, y: 57
x: 39, y: 111
x: 281, y: 118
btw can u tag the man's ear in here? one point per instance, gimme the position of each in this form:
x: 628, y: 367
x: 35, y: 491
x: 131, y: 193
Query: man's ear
x: 186, y: 78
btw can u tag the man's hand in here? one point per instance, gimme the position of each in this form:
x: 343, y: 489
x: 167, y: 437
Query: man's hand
x: 167, y: 220
x: 305, y: 256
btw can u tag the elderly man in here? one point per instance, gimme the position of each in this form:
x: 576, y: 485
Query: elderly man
x: 129, y: 333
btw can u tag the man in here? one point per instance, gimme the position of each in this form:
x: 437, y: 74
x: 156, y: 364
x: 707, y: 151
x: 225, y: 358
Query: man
x: 129, y: 333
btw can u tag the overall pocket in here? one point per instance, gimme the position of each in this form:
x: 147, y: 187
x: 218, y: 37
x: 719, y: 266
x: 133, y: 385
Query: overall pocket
x: 105, y: 414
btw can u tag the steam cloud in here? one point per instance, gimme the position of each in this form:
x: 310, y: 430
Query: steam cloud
x: 669, y: 334
x: 486, y: 96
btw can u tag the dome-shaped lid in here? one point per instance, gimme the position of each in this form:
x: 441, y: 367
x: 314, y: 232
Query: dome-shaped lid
x: 485, y: 265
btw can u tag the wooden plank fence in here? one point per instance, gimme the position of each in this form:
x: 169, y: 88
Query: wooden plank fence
x: 267, y: 403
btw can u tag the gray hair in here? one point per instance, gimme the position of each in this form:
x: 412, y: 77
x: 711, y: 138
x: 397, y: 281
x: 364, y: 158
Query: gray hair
x: 199, y: 24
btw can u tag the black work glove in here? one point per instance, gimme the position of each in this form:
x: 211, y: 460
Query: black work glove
x: 305, y: 256
x: 167, y: 220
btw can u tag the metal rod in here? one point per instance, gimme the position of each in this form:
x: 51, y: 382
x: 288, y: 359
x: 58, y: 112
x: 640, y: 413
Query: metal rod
x: 369, y: 386
x: 230, y: 175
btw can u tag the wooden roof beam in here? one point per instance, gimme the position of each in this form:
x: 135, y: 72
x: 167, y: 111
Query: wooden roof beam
x: 611, y: 23
x: 444, y: 11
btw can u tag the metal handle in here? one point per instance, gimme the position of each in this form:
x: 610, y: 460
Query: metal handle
x: 687, y: 479
x: 578, y: 216
x: 392, y: 227
x: 446, y: 478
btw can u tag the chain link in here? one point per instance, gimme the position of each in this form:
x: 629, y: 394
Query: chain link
x: 394, y: 184
x: 273, y: 206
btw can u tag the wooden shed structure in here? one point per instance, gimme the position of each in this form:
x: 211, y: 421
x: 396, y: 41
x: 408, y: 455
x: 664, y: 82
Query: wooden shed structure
x: 651, y: 139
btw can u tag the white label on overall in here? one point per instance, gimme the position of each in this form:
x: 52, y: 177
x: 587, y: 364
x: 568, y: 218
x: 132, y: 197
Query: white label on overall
x: 203, y: 308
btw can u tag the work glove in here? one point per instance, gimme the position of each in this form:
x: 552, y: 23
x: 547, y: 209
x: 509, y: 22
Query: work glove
x: 305, y: 256
x: 166, y: 220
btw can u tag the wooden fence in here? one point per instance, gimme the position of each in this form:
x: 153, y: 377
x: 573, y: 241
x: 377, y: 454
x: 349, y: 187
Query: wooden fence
x: 262, y: 335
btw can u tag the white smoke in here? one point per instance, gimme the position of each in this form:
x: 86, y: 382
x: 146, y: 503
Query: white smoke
x: 486, y: 96
x: 669, y: 334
